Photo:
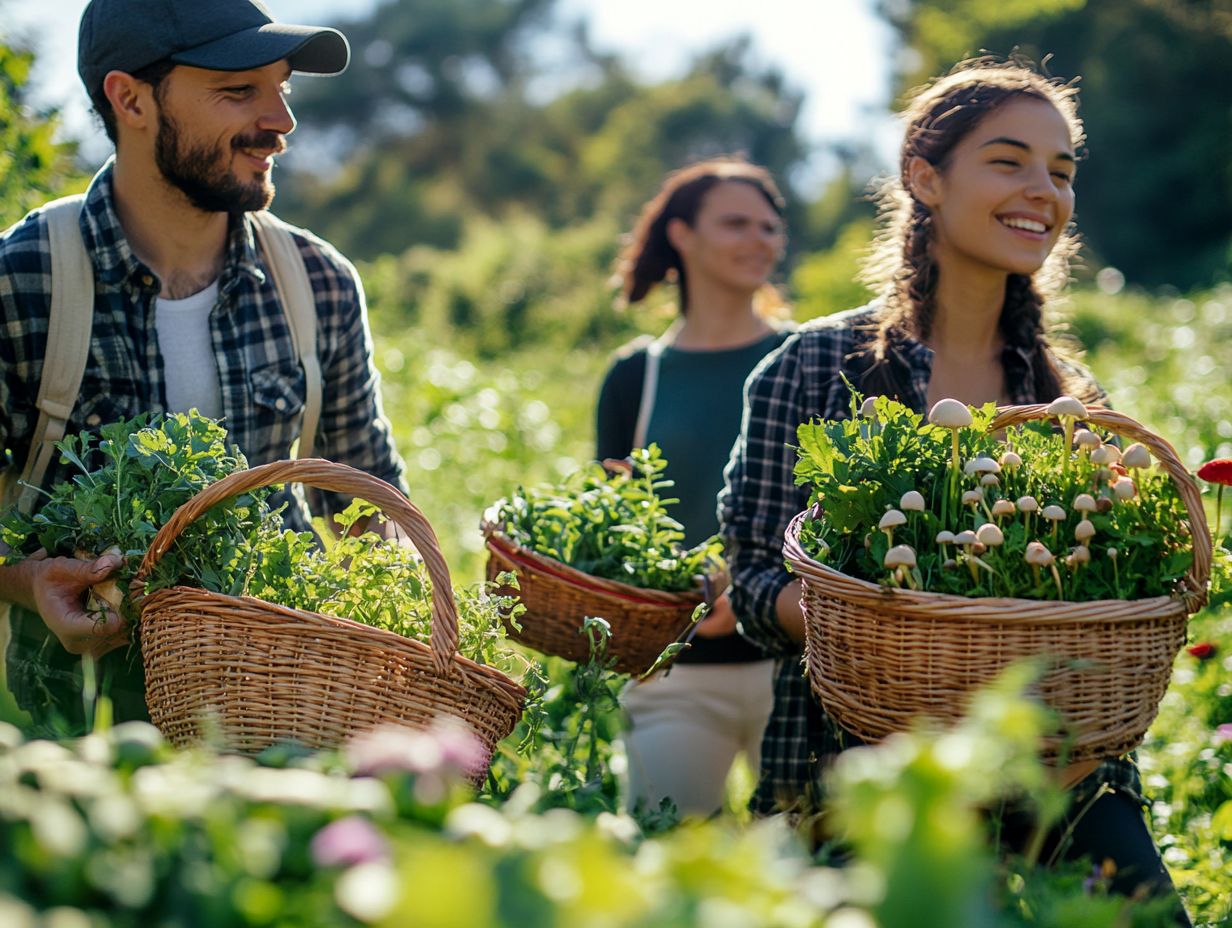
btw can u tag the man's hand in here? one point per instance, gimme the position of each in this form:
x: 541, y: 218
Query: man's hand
x: 59, y: 586
x: 719, y: 621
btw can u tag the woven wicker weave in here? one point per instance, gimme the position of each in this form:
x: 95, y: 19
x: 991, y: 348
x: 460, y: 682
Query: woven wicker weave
x: 558, y: 599
x: 253, y: 673
x: 878, y: 658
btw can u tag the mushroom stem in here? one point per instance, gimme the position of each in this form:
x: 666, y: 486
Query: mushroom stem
x: 1057, y: 577
x: 1218, y: 510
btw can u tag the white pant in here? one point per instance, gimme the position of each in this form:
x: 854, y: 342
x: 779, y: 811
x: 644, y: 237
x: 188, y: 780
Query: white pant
x: 686, y: 727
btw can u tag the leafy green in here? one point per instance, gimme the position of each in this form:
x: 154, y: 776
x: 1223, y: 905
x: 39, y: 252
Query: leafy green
x: 610, y: 525
x: 859, y: 468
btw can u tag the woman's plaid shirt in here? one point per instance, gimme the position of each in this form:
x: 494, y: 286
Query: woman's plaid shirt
x: 259, y: 374
x: 800, y: 381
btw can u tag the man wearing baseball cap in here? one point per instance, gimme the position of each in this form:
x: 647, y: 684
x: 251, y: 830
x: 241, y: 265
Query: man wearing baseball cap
x: 186, y: 313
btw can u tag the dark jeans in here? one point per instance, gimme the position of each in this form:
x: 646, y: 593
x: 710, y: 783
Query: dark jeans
x: 48, y: 682
x: 1111, y: 826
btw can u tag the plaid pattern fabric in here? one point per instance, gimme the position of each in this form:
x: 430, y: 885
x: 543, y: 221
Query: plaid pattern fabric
x: 800, y: 381
x: 261, y: 381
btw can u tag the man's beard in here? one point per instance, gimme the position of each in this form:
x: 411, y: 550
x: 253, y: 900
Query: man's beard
x: 201, y: 174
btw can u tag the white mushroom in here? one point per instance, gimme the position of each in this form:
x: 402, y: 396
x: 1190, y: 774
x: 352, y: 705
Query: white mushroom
x: 1054, y: 514
x: 1002, y: 508
x: 1027, y: 504
x: 1136, y: 456
x: 953, y: 415
x: 972, y: 497
x: 965, y: 538
x: 1078, y: 556
x: 989, y: 535
x: 990, y: 480
x: 1124, y: 489
x: 1105, y: 454
x: 1038, y: 555
x: 1086, y: 440
x: 912, y: 501
x: 890, y: 521
x: 901, y: 558
x: 1084, y: 531
x: 1068, y: 410
x: 1010, y: 460
x: 1084, y: 502
x: 868, y: 408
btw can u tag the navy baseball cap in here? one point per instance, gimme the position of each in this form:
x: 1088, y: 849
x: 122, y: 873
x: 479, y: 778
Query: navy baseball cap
x: 221, y: 35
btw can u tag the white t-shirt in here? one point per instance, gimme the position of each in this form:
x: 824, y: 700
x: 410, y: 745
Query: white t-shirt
x: 189, y: 366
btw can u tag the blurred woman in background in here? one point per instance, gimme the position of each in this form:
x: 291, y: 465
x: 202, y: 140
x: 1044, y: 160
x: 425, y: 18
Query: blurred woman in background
x: 715, y: 229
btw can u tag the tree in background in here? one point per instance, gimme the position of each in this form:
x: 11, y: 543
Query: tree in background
x: 1155, y: 195
x: 34, y: 166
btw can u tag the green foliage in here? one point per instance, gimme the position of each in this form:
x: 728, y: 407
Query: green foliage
x: 859, y: 469
x: 34, y: 166
x: 826, y: 282
x: 610, y: 525
x: 132, y: 479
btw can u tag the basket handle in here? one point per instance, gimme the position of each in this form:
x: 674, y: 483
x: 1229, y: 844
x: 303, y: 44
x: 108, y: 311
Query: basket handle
x: 339, y: 478
x: 1195, y: 583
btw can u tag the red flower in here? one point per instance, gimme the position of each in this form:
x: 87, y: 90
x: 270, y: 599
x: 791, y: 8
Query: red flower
x: 1217, y: 471
x: 1203, y: 650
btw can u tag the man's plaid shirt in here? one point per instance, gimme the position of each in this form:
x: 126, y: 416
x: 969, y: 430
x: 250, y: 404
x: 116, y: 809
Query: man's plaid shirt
x: 259, y: 374
x: 798, y: 382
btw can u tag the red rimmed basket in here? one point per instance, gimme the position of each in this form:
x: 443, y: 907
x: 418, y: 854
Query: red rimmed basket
x: 559, y: 598
x: 253, y: 673
x: 878, y: 658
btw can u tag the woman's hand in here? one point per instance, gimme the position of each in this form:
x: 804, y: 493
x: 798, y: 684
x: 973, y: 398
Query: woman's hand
x: 719, y: 621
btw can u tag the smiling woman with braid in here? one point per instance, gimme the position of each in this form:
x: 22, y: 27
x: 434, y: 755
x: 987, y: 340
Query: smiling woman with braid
x: 976, y: 234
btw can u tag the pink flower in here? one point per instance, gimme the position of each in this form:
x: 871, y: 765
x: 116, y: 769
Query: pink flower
x: 1223, y: 733
x: 1203, y: 650
x: 348, y: 841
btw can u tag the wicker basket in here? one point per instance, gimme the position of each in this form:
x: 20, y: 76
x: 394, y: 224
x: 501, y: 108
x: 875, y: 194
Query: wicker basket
x: 878, y: 658
x: 558, y: 599
x: 253, y: 673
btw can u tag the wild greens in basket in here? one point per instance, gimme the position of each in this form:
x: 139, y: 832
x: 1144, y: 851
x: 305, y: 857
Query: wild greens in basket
x: 139, y: 471
x: 1035, y: 513
x: 610, y: 525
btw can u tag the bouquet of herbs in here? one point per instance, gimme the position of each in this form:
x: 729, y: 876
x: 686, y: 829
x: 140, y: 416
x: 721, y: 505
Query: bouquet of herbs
x: 946, y: 506
x: 610, y: 525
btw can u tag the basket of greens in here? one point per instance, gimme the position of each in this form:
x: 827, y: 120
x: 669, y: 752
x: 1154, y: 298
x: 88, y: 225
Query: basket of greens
x: 250, y: 634
x: 601, y: 544
x: 937, y: 552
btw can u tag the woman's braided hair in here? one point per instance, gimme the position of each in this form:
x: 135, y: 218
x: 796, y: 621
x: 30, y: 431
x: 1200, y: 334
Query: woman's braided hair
x: 902, y: 269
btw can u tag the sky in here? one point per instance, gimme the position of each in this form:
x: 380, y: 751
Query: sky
x: 836, y: 51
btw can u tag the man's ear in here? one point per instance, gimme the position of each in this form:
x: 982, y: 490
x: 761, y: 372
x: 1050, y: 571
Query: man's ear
x: 923, y: 181
x: 131, y: 100
x: 678, y: 233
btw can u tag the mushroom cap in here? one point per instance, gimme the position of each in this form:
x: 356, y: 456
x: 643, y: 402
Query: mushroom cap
x: 989, y: 534
x: 972, y: 497
x: 965, y: 537
x: 1066, y: 406
x: 1217, y: 471
x: 1054, y: 512
x: 1003, y: 507
x: 1084, y: 530
x: 951, y: 414
x: 1137, y: 455
x: 900, y: 556
x: 1038, y: 554
x: 985, y: 465
x: 912, y: 501
x: 869, y: 407
x: 892, y: 519
x: 1124, y: 488
x: 1027, y: 504
x: 1105, y: 454
x: 1080, y: 555
x: 949, y: 564
x: 945, y: 537
x: 990, y: 480
x: 1084, y: 502
x: 1085, y: 438
x: 1011, y: 459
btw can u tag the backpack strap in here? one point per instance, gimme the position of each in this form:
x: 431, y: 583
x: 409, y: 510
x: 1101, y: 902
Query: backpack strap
x: 650, y: 381
x: 286, y: 266
x: 69, y: 323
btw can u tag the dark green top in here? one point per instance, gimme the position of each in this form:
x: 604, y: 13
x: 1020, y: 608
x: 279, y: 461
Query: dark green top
x: 694, y: 421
